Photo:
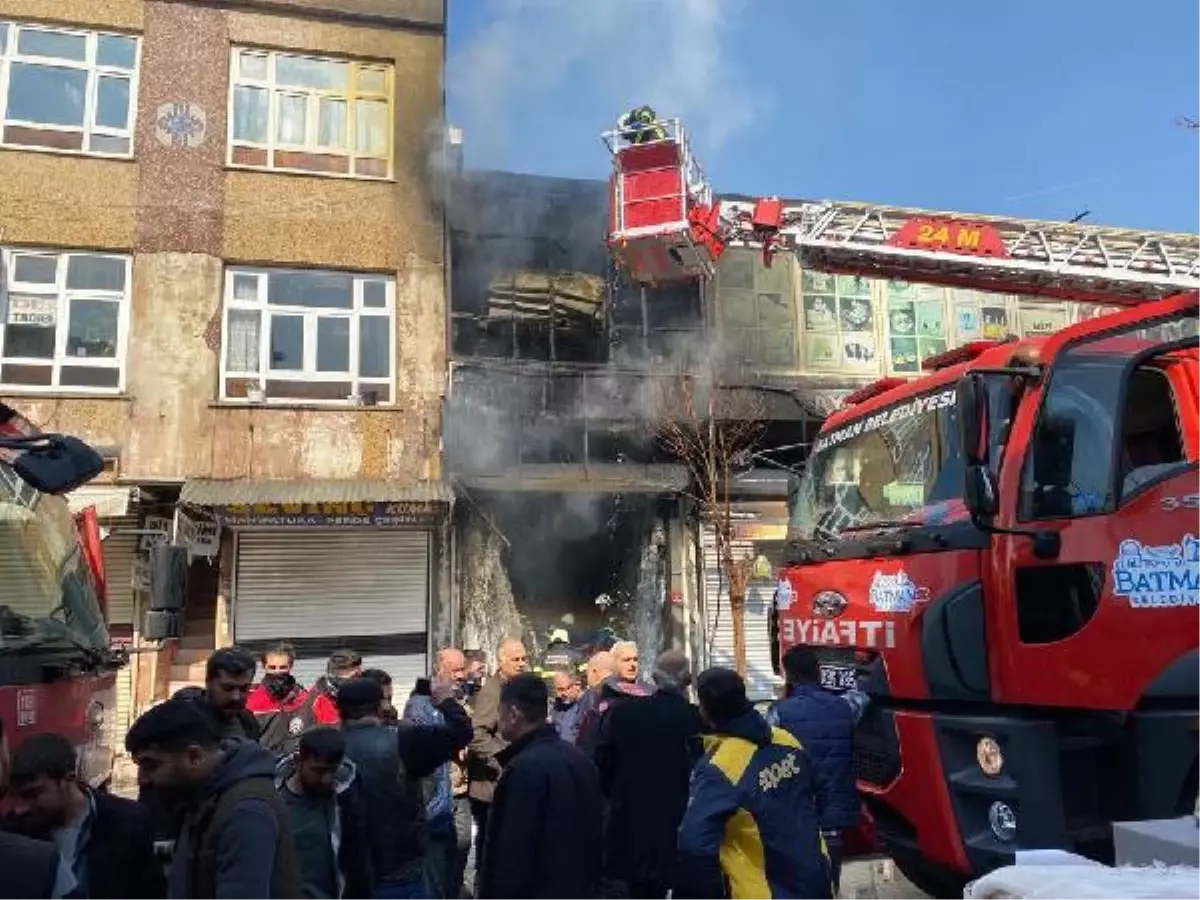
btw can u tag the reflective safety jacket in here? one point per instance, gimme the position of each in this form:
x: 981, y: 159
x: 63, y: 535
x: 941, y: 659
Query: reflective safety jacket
x: 751, y: 827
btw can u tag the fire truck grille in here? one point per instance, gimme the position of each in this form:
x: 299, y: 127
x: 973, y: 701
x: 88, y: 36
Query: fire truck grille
x: 877, y: 748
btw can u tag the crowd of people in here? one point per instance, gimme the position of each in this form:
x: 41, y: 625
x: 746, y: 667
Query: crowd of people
x: 599, y: 783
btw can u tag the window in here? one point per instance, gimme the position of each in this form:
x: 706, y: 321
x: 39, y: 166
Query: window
x: 307, y: 336
x: 1069, y: 469
x: 839, y: 322
x: 64, y: 89
x: 64, y: 321
x: 756, y: 308
x: 302, y: 113
x: 895, y: 466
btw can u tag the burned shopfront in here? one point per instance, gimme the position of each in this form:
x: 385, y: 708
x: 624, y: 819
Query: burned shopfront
x: 568, y: 517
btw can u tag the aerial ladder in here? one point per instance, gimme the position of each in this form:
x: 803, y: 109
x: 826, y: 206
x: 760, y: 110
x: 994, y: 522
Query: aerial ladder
x: 666, y: 225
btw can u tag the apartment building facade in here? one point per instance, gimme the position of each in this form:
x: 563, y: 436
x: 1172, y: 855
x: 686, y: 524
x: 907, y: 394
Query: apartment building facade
x: 223, y: 249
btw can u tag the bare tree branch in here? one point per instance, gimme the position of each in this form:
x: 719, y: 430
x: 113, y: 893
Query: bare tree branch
x: 712, y: 431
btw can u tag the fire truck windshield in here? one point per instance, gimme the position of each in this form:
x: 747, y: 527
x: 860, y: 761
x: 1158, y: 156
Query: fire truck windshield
x: 48, y: 599
x: 887, y: 468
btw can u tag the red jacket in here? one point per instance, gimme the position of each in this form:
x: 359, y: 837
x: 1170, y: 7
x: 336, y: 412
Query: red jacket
x: 325, y: 711
x: 260, y: 700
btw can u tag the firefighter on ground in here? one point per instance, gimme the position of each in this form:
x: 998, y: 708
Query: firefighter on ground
x: 640, y: 126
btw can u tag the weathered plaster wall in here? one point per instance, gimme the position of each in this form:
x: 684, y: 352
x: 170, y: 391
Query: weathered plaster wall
x: 183, y: 214
x: 124, y: 15
x: 60, y: 200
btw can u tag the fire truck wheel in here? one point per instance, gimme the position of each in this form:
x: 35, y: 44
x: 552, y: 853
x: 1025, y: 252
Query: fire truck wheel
x: 930, y: 878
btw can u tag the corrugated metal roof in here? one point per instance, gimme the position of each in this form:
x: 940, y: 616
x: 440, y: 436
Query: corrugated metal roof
x: 236, y: 492
x: 614, y: 478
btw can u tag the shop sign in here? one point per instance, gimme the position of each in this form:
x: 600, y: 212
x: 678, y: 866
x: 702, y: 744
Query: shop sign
x: 38, y: 311
x: 201, y: 537
x: 329, y: 515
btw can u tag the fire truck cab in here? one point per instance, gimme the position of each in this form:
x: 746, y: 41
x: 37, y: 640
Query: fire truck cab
x: 57, y: 671
x: 1004, y: 555
x: 664, y: 225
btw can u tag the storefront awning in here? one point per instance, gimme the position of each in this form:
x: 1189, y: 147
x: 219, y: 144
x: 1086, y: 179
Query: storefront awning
x: 110, y: 501
x: 251, y: 491
x: 615, y: 478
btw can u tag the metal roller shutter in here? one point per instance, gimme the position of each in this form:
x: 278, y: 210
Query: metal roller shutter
x: 321, y: 590
x: 119, y: 550
x: 761, y: 682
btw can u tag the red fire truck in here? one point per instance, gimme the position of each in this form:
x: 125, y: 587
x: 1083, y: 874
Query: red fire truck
x: 1003, y: 551
x: 57, y: 672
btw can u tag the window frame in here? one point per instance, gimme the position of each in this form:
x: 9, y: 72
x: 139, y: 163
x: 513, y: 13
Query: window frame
x: 272, y: 146
x: 1115, y: 498
x: 310, y: 315
x: 64, y: 297
x: 94, y: 71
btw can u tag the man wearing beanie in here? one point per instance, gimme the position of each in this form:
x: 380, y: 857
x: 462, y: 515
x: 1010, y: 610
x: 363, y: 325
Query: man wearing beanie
x: 391, y: 759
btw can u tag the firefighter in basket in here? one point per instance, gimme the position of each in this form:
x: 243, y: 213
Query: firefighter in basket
x: 641, y: 126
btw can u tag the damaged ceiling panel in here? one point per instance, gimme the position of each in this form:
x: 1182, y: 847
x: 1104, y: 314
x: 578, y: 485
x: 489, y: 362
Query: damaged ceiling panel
x: 565, y: 299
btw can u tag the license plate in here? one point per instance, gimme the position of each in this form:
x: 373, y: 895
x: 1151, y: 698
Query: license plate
x: 838, y: 678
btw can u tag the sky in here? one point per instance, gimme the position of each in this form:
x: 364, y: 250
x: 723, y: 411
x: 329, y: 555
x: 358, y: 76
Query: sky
x: 1031, y: 108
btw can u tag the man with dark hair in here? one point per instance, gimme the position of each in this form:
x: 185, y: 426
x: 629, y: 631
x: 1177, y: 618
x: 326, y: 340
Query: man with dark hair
x: 824, y: 723
x: 385, y: 682
x: 544, y: 835
x: 391, y: 760
x: 29, y: 867
x: 105, y: 843
x: 280, y: 704
x: 322, y: 792
x: 228, y: 676
x: 645, y: 752
x: 236, y: 838
x: 343, y: 665
x: 762, y: 776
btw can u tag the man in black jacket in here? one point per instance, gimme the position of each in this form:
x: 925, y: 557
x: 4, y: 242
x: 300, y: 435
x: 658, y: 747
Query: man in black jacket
x: 105, y: 843
x: 645, y: 752
x: 544, y: 833
x: 391, y: 760
x: 323, y: 794
x: 30, y: 867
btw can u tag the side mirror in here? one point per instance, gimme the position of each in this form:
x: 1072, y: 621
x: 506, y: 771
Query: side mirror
x: 57, y: 464
x: 972, y: 401
x: 161, y: 625
x: 168, y: 578
x: 979, y: 493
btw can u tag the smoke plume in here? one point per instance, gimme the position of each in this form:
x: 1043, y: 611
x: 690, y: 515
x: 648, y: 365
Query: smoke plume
x: 559, y: 71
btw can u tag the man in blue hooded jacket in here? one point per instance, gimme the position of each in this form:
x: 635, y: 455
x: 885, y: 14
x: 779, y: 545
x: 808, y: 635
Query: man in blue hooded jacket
x: 823, y: 722
x: 751, y: 828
